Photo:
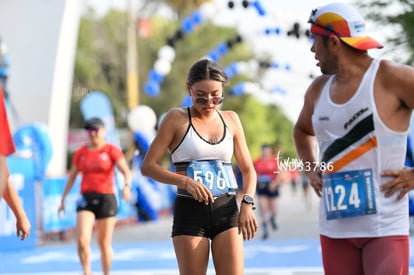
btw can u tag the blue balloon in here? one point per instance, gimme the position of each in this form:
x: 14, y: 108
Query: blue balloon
x: 279, y: 90
x: 197, y: 17
x: 277, y: 30
x: 152, y: 88
x: 231, y: 70
x: 288, y: 67
x: 269, y: 31
x: 238, y: 89
x: 187, y: 101
x: 155, y: 76
x: 214, y: 56
x: 222, y: 48
x: 235, y: 68
x: 274, y: 65
x: 187, y: 25
x: 259, y: 8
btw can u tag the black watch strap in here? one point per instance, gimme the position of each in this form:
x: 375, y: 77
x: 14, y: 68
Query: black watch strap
x: 249, y: 200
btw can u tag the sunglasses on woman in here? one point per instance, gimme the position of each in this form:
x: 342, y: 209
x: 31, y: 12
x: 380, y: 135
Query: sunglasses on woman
x: 92, y: 130
x: 216, y: 100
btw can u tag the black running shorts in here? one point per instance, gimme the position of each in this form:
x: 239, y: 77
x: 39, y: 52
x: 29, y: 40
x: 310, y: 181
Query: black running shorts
x: 197, y: 219
x: 102, y: 205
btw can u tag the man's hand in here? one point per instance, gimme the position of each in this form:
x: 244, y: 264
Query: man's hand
x: 402, y: 181
x: 315, y: 180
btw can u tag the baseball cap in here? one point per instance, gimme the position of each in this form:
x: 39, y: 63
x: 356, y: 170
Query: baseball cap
x: 94, y: 123
x: 343, y: 21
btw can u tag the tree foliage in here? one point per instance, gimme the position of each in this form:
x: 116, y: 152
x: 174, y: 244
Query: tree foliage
x: 181, y: 6
x: 396, y: 14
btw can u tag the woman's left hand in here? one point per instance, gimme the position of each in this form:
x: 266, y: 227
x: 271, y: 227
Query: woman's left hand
x: 247, y: 222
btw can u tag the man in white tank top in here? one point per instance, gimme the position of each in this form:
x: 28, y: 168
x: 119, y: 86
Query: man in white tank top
x: 351, y: 137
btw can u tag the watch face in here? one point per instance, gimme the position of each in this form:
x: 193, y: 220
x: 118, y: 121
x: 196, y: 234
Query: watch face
x: 248, y: 199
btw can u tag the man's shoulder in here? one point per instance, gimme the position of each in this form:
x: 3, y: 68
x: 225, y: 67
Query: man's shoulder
x: 315, y: 88
x: 393, y: 75
x: 389, y: 67
x: 320, y: 80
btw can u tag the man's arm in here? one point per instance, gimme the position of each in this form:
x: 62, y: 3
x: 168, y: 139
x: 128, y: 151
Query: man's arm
x: 304, y: 136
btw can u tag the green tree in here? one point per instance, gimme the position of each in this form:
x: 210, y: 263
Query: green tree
x: 398, y: 15
x: 181, y: 6
x: 100, y: 61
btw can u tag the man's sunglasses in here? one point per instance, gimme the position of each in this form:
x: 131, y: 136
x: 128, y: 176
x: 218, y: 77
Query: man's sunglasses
x: 326, y: 28
x: 216, y: 100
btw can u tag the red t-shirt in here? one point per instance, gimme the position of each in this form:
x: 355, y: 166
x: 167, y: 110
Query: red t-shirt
x: 6, y: 139
x: 266, y: 170
x: 97, y: 168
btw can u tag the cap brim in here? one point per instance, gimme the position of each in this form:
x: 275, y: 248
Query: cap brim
x: 362, y: 43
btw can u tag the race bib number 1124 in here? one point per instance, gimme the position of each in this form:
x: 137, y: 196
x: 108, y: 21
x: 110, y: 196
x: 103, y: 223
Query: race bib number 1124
x: 349, y: 194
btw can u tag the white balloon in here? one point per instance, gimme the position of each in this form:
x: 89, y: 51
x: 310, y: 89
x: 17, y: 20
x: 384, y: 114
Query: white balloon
x: 251, y: 87
x: 142, y: 118
x: 242, y: 67
x: 208, y: 10
x: 167, y: 53
x: 253, y: 66
x: 162, y: 66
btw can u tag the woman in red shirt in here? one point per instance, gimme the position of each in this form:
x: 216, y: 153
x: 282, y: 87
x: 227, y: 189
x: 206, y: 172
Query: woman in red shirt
x: 96, y: 162
x: 267, y: 187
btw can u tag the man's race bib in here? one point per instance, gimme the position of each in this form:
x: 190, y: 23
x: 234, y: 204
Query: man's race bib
x: 349, y: 194
x: 216, y: 175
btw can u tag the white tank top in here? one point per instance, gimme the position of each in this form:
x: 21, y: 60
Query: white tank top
x: 194, y: 147
x: 352, y: 136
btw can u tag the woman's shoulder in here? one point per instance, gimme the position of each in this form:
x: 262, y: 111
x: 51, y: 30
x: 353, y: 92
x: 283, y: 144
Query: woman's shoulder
x: 230, y: 115
x: 232, y: 120
x: 176, y: 114
x: 178, y: 111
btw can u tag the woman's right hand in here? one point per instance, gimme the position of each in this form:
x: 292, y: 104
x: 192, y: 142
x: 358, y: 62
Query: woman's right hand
x: 199, y: 191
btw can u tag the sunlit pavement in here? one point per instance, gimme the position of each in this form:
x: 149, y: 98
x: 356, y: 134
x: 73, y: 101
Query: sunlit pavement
x: 157, y: 257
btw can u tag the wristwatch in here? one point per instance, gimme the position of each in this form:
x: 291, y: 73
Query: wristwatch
x: 249, y: 200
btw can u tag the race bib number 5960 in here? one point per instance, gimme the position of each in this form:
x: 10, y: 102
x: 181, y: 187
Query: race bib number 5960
x: 349, y: 194
x: 216, y: 175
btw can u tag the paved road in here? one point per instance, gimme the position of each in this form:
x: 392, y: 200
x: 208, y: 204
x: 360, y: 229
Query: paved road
x: 146, y: 249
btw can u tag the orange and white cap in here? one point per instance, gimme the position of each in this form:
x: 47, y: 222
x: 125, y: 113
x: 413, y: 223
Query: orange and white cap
x: 343, y: 21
